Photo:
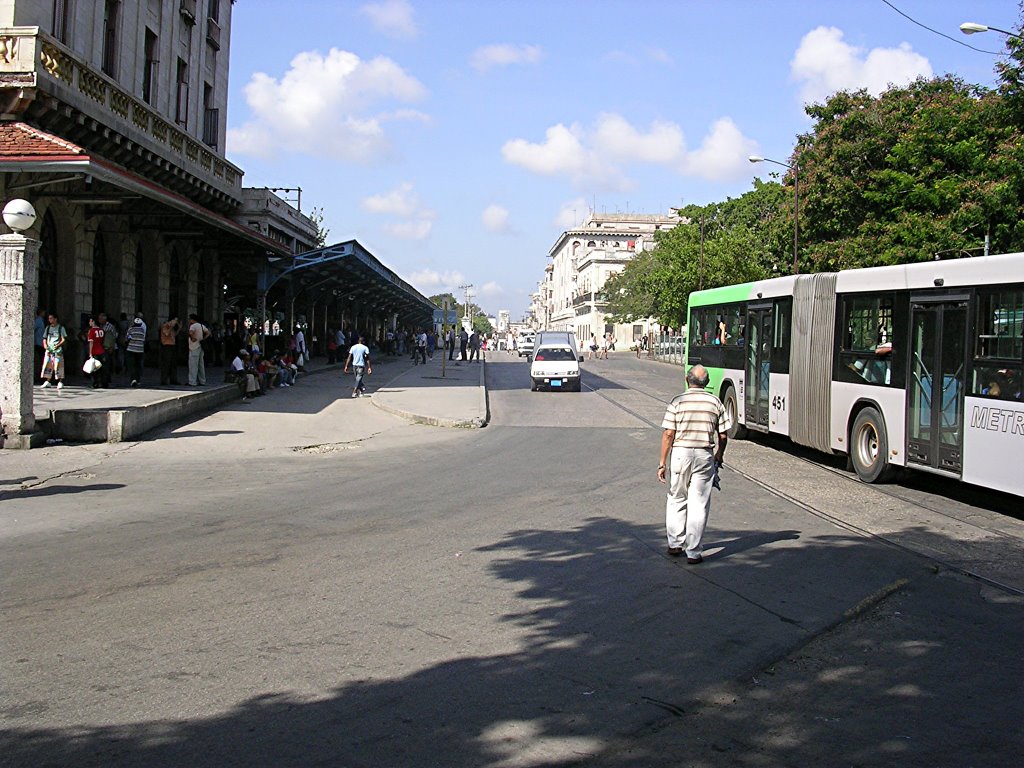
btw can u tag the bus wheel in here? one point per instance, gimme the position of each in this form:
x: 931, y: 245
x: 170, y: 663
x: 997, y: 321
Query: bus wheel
x: 738, y: 431
x: 869, y: 447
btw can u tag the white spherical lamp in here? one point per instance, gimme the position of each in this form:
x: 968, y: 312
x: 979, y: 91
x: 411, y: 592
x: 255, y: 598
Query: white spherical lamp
x: 19, y: 215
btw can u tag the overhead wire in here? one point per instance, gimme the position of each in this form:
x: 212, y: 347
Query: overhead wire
x: 942, y: 34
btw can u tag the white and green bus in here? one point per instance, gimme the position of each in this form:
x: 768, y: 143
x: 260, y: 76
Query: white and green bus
x: 916, y: 365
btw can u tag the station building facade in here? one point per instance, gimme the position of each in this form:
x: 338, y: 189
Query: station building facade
x: 582, y: 260
x: 112, y: 124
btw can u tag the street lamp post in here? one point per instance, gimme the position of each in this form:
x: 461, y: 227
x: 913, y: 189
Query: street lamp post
x: 796, y: 204
x: 973, y: 28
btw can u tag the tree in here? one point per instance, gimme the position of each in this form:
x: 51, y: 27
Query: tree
x: 917, y: 171
x: 317, y: 216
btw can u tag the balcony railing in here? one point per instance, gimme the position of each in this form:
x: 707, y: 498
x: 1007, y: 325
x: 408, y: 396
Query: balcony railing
x: 583, y: 298
x: 188, y: 11
x: 213, y: 33
x: 32, y: 59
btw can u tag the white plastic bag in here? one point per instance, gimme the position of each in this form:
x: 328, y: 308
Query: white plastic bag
x: 92, y: 365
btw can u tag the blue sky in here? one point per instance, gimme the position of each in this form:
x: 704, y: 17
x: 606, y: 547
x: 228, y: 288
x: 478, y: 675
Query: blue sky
x: 456, y: 140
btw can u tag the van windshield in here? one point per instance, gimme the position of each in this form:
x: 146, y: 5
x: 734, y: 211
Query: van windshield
x: 554, y: 353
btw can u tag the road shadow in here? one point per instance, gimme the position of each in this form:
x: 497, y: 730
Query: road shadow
x: 57, y: 490
x: 615, y: 651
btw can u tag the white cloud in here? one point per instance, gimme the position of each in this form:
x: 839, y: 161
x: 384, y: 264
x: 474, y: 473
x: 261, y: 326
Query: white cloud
x: 432, y: 281
x: 417, y: 229
x: 489, y: 56
x: 416, y: 220
x: 400, y: 201
x: 824, y: 63
x: 660, y: 55
x: 723, y: 154
x: 495, y: 218
x: 491, y: 289
x: 597, y: 159
x: 324, y: 105
x: 393, y: 18
x: 572, y: 213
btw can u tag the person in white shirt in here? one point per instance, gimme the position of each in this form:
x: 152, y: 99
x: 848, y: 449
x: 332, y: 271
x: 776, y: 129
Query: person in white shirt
x: 359, y: 357
x: 242, y: 368
x: 197, y: 334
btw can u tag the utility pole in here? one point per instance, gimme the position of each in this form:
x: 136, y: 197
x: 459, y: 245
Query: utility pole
x: 467, y: 295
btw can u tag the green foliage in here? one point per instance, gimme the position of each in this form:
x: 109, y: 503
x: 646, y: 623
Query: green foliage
x: 482, y: 325
x: 928, y: 169
x: 317, y: 215
x: 918, y: 171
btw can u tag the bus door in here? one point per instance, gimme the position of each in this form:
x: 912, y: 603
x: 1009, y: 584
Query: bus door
x: 758, y: 365
x: 935, y: 392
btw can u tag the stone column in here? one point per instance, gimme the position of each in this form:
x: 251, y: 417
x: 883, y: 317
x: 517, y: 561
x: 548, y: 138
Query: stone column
x: 19, y: 270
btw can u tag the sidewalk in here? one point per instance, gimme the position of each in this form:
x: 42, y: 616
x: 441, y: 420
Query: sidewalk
x: 78, y: 413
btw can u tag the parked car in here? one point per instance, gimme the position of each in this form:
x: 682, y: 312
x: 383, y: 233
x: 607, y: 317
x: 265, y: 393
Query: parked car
x: 555, y: 363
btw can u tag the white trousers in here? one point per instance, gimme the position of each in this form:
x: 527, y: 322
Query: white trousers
x: 689, y: 498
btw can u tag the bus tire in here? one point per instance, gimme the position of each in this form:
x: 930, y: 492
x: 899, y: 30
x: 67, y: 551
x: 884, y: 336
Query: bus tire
x: 738, y: 431
x: 869, y: 447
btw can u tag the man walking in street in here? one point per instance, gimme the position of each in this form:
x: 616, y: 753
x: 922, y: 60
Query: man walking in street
x: 197, y: 334
x: 474, y: 346
x: 693, y: 422
x: 359, y: 357
x: 463, y: 343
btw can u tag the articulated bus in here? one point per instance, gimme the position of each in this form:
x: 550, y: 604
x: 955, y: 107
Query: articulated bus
x: 915, y: 365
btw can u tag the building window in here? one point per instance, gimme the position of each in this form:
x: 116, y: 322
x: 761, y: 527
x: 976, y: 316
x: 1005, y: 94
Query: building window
x: 181, y: 110
x: 149, y: 68
x: 62, y: 19
x: 211, y: 117
x: 110, y: 19
x: 214, y: 11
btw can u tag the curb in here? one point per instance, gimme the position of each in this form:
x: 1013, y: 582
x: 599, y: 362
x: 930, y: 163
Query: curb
x: 437, y: 421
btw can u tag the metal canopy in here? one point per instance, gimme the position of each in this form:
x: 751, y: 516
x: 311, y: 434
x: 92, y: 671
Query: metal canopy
x: 351, y: 272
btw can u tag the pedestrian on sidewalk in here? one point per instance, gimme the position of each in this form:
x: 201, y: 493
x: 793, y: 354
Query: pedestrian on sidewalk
x: 419, y: 352
x: 197, y: 334
x: 696, y: 428
x: 94, y: 339
x: 449, y: 341
x: 463, y: 344
x: 135, y: 351
x: 168, y: 351
x: 109, y: 358
x: 54, y: 338
x: 474, y: 347
x: 359, y: 357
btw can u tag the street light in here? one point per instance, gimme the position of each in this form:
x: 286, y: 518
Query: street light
x: 796, y: 204
x: 973, y: 28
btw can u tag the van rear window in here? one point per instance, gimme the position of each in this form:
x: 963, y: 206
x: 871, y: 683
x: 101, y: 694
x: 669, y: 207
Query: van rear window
x: 554, y: 353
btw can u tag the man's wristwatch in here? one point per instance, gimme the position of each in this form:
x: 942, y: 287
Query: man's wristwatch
x: 661, y: 466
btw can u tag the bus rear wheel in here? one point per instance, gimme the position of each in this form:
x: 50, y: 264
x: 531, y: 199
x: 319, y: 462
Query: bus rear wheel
x: 738, y: 431
x: 869, y: 447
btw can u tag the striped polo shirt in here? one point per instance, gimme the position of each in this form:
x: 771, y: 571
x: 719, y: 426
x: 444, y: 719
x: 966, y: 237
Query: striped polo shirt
x: 697, y: 417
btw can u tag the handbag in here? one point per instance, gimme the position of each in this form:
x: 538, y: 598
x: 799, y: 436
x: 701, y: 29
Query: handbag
x: 91, y: 366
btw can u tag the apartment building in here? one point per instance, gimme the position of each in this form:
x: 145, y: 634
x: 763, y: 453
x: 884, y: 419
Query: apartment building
x: 583, y: 259
x: 112, y: 122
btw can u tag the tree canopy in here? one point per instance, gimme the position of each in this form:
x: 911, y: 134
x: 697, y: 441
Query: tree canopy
x: 916, y: 173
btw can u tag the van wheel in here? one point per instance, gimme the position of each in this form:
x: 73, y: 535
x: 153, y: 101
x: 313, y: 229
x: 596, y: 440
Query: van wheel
x: 869, y: 447
x: 533, y: 385
x: 738, y: 431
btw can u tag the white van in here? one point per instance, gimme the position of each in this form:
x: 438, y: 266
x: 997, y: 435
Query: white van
x: 555, y: 362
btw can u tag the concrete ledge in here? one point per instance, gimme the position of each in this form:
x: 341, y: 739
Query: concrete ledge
x: 118, y: 425
x: 384, y: 400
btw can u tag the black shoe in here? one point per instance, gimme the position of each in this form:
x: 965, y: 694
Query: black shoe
x: 674, y: 551
x: 694, y: 560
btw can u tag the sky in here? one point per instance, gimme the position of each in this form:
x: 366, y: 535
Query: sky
x: 455, y: 140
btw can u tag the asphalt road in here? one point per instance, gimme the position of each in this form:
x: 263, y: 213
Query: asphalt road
x: 254, y: 589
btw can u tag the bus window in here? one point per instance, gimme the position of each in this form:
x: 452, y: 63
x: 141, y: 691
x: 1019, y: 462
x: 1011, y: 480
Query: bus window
x: 782, y: 318
x: 999, y: 345
x: 866, y: 351
x: 1000, y: 318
